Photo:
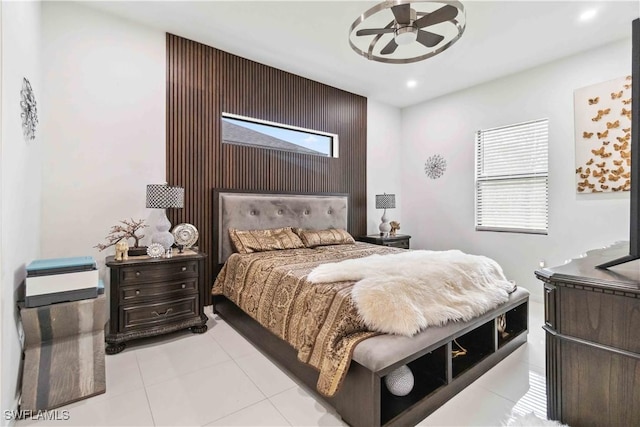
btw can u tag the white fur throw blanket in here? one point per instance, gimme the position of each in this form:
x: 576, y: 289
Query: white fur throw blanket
x: 406, y: 292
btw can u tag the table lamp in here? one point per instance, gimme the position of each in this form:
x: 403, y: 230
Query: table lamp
x: 163, y: 196
x: 385, y: 201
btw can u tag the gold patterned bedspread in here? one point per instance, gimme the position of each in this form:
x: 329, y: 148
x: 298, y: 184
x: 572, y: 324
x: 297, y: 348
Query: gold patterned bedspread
x: 319, y: 320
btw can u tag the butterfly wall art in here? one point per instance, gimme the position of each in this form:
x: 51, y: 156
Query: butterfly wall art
x: 602, y: 115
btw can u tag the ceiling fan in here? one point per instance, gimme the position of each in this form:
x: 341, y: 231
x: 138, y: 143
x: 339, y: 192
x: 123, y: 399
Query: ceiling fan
x: 407, y: 27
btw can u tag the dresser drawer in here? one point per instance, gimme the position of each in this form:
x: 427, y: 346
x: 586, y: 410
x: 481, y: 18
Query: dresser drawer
x: 173, y: 289
x: 166, y: 271
x: 404, y: 244
x: 158, y: 314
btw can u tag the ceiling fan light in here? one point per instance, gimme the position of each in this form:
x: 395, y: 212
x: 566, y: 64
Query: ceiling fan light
x: 406, y: 35
x: 410, y: 25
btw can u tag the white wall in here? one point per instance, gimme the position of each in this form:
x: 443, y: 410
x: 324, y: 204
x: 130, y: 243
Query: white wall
x: 440, y: 213
x: 106, y: 137
x: 383, y: 162
x: 20, y: 179
x: 106, y: 78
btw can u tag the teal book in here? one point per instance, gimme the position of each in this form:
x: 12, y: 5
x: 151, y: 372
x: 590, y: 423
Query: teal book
x: 45, y: 267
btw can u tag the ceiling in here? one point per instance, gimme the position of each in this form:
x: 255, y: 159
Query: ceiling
x: 310, y: 38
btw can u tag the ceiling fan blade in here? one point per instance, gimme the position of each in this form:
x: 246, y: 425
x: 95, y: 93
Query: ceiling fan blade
x: 429, y: 39
x: 374, y: 31
x: 446, y: 13
x: 389, y: 48
x: 402, y: 13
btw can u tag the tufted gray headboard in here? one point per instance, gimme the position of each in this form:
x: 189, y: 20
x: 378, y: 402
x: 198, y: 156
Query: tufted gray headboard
x: 259, y: 211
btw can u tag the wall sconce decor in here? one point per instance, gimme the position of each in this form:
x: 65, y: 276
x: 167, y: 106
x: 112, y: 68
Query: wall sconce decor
x: 435, y: 166
x: 29, y: 111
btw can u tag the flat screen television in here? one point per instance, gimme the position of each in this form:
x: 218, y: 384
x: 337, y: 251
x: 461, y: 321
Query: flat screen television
x: 634, y: 228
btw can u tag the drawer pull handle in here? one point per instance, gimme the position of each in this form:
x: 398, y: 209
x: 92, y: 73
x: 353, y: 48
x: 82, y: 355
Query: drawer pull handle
x: 169, y: 310
x: 184, y: 268
x: 137, y: 273
x: 137, y: 292
x: 184, y: 286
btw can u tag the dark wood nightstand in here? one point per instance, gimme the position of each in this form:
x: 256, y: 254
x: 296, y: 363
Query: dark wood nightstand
x: 397, y: 241
x: 153, y: 296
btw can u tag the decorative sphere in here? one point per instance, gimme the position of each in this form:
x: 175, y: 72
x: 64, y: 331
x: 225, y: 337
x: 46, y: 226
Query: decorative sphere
x: 400, y: 381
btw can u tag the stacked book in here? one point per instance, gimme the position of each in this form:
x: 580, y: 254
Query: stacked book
x: 61, y: 279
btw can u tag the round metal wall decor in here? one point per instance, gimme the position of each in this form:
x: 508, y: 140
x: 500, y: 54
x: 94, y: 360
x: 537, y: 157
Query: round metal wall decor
x: 29, y: 111
x: 435, y: 166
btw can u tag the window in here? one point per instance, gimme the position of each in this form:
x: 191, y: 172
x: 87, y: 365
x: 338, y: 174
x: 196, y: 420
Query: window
x: 241, y: 130
x: 512, y: 178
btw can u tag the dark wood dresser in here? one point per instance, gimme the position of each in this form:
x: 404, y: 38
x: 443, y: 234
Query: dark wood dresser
x: 153, y: 296
x: 592, y: 324
x: 397, y: 241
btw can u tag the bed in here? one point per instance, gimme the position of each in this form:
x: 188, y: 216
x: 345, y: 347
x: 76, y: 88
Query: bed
x: 349, y: 373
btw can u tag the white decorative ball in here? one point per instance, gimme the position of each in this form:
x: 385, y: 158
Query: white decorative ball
x: 400, y: 381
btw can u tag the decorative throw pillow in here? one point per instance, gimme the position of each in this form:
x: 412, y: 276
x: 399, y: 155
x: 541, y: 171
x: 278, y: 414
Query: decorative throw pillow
x: 331, y: 236
x: 248, y: 241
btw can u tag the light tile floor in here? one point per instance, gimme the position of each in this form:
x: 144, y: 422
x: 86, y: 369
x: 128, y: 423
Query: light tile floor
x: 220, y: 379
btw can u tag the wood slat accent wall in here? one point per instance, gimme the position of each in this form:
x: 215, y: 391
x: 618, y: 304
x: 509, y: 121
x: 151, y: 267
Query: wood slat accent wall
x: 202, y: 83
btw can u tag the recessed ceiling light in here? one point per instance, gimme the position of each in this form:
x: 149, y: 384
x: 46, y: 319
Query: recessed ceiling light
x: 588, y: 15
x: 412, y: 83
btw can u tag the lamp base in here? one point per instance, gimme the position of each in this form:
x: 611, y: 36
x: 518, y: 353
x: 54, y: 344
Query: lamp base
x: 162, y: 234
x: 384, y: 226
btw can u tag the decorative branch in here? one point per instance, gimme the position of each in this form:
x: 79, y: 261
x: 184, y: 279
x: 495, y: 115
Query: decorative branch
x: 126, y: 231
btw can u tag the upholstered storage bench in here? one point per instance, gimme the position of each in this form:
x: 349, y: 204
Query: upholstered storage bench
x: 363, y: 399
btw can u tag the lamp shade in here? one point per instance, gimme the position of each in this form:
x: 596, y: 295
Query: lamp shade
x: 163, y: 196
x: 385, y: 201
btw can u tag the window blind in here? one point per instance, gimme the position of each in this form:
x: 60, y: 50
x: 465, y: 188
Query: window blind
x: 512, y: 178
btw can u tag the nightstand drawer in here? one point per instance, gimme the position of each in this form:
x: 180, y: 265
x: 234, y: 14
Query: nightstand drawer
x: 404, y: 244
x: 174, y: 289
x: 158, y: 314
x: 399, y: 241
x: 168, y: 271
